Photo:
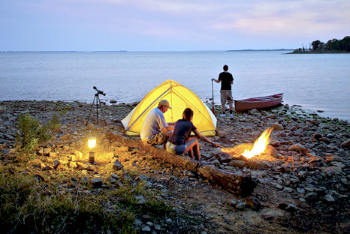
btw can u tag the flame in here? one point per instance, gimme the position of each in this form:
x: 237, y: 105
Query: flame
x: 259, y: 145
x: 92, y: 142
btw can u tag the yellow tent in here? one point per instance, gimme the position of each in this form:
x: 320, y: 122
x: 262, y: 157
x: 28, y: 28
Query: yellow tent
x: 179, y: 98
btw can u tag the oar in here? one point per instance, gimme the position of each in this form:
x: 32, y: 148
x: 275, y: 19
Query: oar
x: 212, y: 99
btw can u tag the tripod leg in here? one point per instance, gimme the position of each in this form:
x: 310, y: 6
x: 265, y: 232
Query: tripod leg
x: 92, y: 105
x: 97, y: 104
x: 101, y: 108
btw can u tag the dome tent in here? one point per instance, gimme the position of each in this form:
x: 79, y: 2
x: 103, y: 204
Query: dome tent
x: 179, y: 98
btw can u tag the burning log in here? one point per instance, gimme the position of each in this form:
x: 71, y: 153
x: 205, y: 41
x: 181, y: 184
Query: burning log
x: 257, y: 155
x: 242, y: 185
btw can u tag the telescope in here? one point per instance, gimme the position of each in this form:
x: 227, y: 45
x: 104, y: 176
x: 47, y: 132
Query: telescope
x: 96, y: 102
x: 99, y: 91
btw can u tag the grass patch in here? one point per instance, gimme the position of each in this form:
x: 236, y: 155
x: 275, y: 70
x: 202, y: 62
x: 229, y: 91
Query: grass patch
x: 31, y: 132
x: 26, y: 207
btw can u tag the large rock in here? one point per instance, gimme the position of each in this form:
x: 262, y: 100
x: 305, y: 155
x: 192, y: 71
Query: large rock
x: 223, y: 157
x: 117, y: 165
x: 122, y: 149
x: 56, y: 164
x: 97, y: 182
x: 277, y: 126
x: 345, y: 144
x: 90, y: 127
x: 221, y: 134
x: 253, y: 203
x: 237, y: 163
x: 44, y: 151
x: 299, y: 148
x: 257, y: 163
x: 65, y: 137
x: 329, y: 198
x: 330, y: 171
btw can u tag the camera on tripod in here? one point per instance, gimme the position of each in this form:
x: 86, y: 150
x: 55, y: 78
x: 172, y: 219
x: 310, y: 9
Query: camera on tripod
x: 99, y: 91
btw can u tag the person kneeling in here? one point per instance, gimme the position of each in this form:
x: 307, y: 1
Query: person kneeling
x: 180, y: 142
x: 155, y: 130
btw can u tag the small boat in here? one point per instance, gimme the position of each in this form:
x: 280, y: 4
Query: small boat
x: 258, y: 102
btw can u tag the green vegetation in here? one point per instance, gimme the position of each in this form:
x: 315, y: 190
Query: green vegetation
x: 332, y: 46
x: 31, y: 133
x: 30, y: 206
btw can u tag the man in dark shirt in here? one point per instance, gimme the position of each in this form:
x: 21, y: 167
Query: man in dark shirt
x: 226, y: 80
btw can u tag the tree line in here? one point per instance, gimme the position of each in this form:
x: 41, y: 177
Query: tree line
x: 333, y: 45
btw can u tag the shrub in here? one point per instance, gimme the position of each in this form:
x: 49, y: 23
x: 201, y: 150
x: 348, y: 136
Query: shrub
x: 31, y: 133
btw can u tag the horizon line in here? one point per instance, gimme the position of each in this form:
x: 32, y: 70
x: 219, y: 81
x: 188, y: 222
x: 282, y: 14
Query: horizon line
x: 91, y: 51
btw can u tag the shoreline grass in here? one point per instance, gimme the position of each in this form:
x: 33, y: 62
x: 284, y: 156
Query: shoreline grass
x: 29, y: 205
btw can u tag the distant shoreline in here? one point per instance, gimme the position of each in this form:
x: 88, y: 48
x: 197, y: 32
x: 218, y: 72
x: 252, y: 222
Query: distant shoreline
x: 322, y: 52
x: 260, y: 50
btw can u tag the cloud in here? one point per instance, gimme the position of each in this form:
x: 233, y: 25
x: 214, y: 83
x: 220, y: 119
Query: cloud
x: 288, y: 18
x: 206, y: 21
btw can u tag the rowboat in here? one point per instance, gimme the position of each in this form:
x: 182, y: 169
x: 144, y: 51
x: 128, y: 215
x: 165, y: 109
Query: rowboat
x: 258, y: 102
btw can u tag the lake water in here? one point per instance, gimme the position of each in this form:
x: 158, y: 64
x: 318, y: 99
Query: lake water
x: 314, y: 81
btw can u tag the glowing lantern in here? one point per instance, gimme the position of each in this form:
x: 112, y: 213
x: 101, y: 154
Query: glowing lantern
x: 92, y: 144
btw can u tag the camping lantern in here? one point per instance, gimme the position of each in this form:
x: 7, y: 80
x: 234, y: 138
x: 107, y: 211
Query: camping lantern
x: 92, y: 144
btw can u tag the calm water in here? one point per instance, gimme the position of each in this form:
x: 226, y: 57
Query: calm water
x: 316, y: 82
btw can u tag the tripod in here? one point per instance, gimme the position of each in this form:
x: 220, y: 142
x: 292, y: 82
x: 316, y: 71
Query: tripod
x: 96, y: 102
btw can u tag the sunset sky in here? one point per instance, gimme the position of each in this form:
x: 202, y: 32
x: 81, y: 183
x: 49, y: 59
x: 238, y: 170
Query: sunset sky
x: 169, y: 25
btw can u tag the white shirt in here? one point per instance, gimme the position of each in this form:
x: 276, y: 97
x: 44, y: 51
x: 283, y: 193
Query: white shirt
x: 153, y: 124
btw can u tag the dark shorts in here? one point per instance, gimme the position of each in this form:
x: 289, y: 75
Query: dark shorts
x: 226, y: 95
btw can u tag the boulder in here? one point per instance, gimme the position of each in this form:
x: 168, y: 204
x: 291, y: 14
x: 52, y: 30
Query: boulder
x: 345, y: 144
x: 223, y: 157
x: 97, y: 182
x: 221, y: 134
x: 65, y: 137
x: 117, y: 165
x: 237, y: 163
x: 253, y: 203
x: 277, y: 126
x: 298, y: 148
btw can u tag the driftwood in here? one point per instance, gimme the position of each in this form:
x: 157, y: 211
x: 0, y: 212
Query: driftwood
x: 242, y: 185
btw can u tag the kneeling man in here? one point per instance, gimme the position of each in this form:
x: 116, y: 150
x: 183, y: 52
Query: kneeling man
x: 155, y: 130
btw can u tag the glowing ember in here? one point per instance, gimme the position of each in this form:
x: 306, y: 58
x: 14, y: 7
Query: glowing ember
x: 259, y: 145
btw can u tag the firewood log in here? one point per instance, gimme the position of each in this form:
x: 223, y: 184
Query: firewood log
x: 242, y: 185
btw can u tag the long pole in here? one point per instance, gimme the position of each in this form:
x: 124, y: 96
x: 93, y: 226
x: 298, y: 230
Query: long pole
x: 212, y: 99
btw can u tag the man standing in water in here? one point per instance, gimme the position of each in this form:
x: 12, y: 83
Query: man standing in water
x: 226, y: 80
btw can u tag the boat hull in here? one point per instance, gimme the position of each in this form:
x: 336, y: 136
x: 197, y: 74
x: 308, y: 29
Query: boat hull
x: 258, y: 102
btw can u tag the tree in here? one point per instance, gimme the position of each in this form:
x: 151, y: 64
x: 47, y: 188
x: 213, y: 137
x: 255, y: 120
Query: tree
x: 345, y: 44
x: 333, y: 45
x: 315, y: 45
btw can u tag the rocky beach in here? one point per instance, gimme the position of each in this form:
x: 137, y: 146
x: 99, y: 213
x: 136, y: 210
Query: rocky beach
x: 302, y: 181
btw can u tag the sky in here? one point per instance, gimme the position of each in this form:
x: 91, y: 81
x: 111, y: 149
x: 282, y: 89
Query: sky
x: 169, y: 25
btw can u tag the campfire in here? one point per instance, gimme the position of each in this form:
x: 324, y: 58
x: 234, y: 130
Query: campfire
x: 260, y: 147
